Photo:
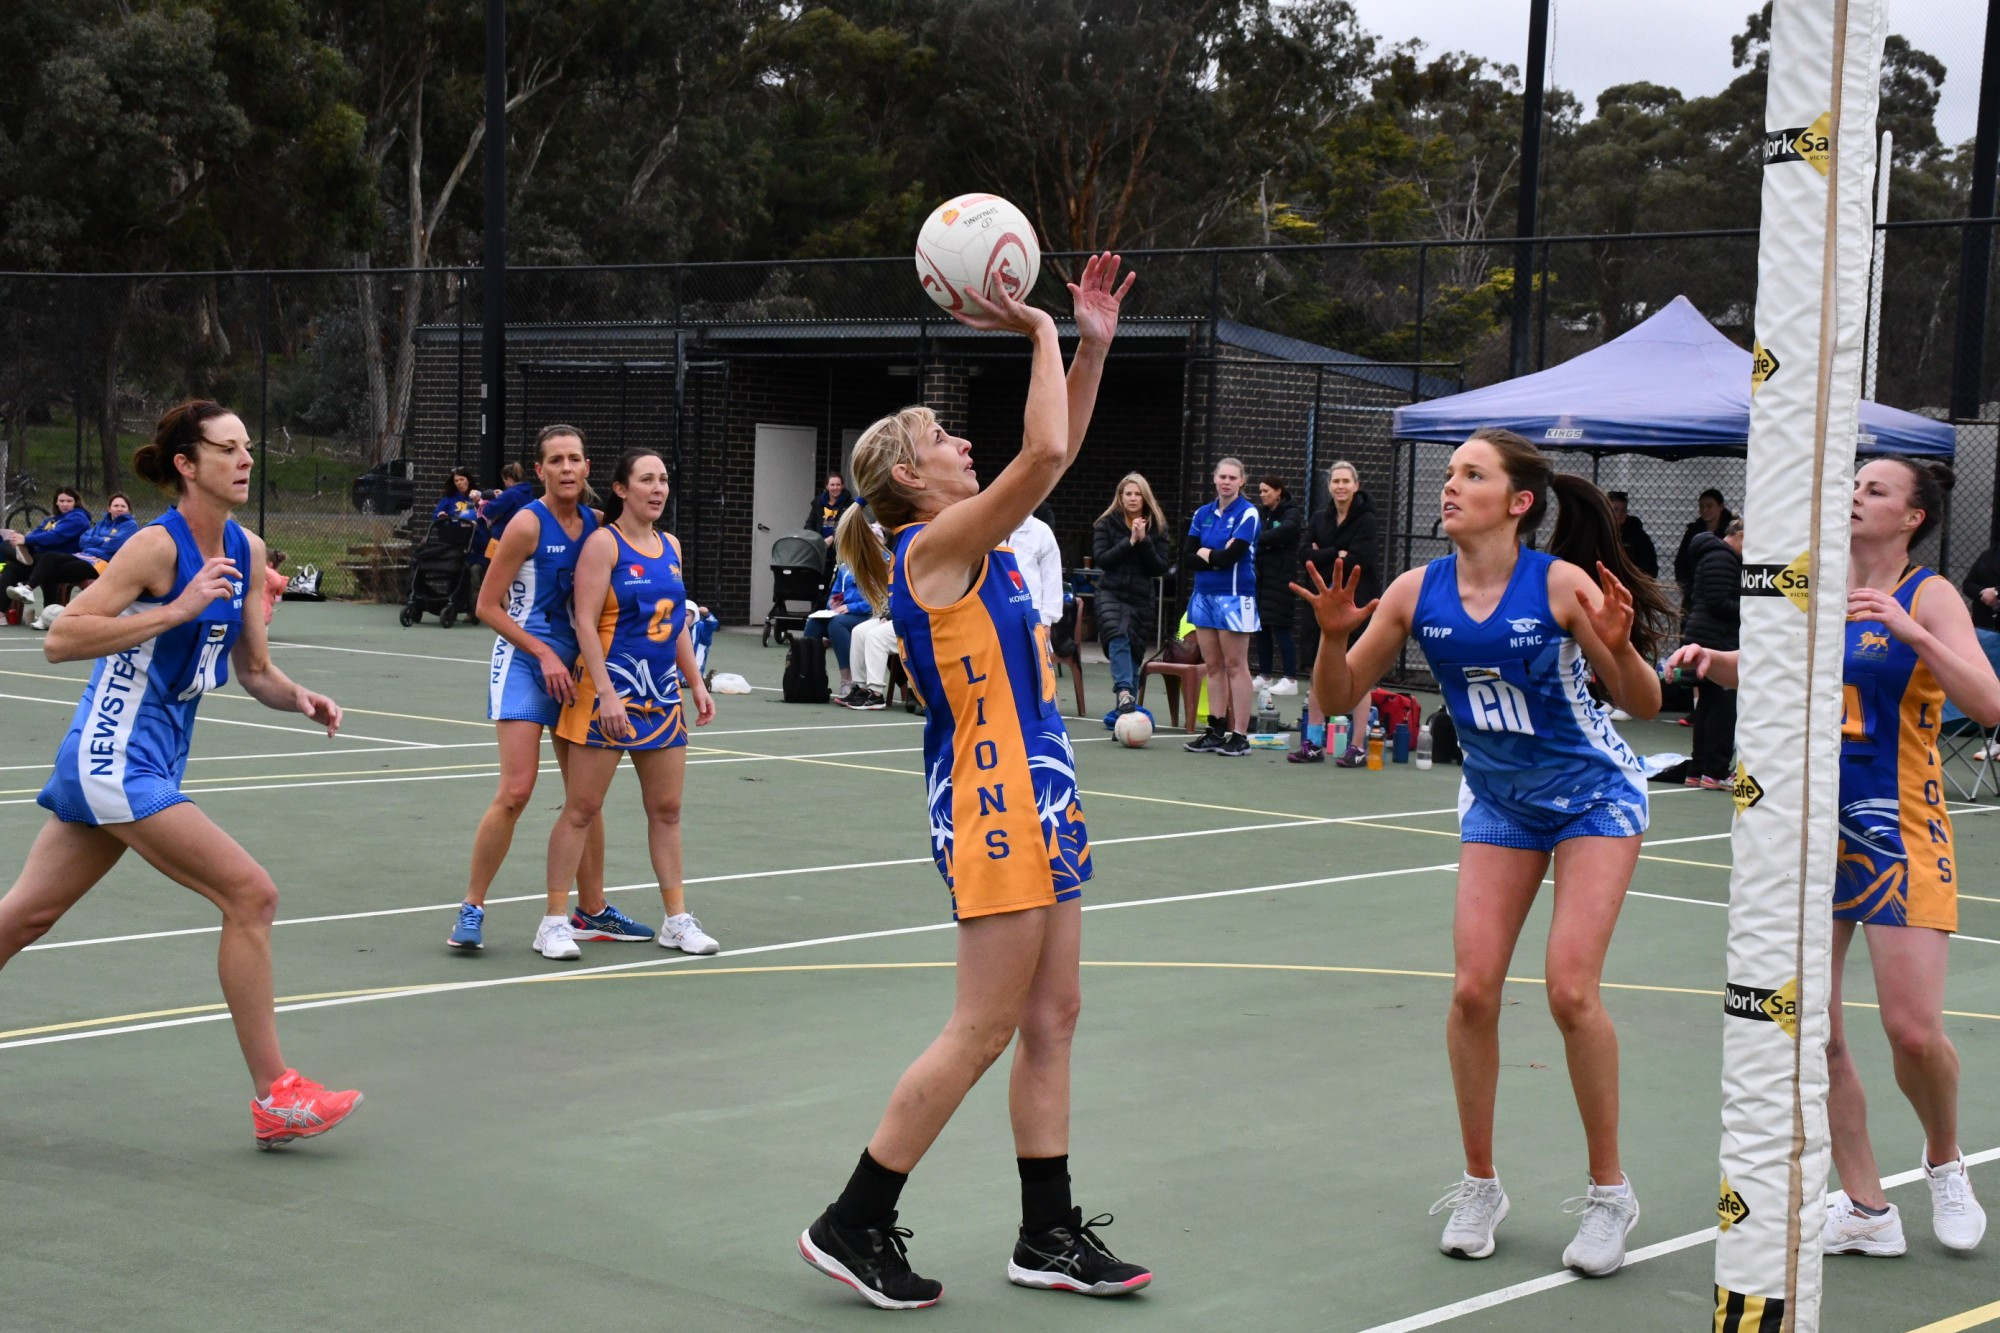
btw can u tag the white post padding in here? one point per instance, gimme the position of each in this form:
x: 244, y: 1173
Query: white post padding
x: 1812, y: 289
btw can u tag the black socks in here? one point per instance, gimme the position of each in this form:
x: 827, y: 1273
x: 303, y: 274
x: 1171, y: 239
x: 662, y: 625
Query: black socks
x: 1045, y: 1202
x: 870, y: 1197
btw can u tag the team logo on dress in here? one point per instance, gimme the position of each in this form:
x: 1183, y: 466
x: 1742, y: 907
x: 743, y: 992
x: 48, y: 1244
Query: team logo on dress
x: 1872, y: 644
x: 1525, y: 625
x: 1730, y: 1208
x: 1780, y: 1006
x: 636, y: 571
x: 1015, y: 575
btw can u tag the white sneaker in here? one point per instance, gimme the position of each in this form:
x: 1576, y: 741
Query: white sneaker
x: 1260, y: 682
x: 1477, y: 1207
x: 555, y: 939
x: 1851, y: 1232
x: 1608, y: 1214
x: 1620, y: 715
x: 31, y: 605
x: 683, y: 932
x: 19, y: 592
x: 1285, y: 685
x: 1956, y: 1216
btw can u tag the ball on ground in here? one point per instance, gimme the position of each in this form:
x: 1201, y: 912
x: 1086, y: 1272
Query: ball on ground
x: 1133, y: 730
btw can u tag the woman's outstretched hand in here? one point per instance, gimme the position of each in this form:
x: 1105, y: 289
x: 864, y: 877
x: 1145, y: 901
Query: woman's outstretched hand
x: 1333, y: 603
x: 1097, y: 296
x: 1612, y: 618
x: 1001, y: 313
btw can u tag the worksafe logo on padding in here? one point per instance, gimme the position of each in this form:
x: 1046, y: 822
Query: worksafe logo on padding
x: 1730, y: 1208
x: 1792, y: 582
x: 1803, y: 143
x: 1763, y: 365
x: 1780, y: 1006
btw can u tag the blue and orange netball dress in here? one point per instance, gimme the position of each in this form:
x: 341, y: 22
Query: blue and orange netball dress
x: 1542, y: 761
x: 1896, y: 866
x: 539, y: 602
x: 1226, y: 598
x: 127, y: 746
x: 1006, y: 822
x: 645, y: 610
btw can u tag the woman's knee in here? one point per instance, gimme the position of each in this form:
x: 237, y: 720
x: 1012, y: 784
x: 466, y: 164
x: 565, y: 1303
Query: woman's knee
x: 664, y: 809
x: 1918, y: 1037
x: 581, y: 810
x: 1573, y: 1003
x: 513, y: 796
x: 1052, y: 1021
x: 250, y: 898
x: 1475, y: 1001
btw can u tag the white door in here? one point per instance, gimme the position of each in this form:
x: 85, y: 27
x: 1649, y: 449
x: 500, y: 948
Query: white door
x: 782, y: 492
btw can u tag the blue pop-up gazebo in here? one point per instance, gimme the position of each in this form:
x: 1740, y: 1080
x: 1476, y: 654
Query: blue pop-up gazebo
x: 1672, y: 387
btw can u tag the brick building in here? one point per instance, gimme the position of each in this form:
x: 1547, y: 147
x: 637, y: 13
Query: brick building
x: 1177, y: 394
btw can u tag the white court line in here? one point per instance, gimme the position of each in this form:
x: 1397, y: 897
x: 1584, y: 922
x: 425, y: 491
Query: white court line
x: 284, y: 754
x: 261, y: 726
x: 376, y: 652
x: 650, y: 884
x: 1474, y: 1304
x: 532, y: 977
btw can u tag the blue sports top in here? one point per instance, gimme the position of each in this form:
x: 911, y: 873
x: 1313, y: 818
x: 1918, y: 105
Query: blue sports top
x: 136, y: 716
x: 1215, y: 529
x: 1538, y: 748
x: 1006, y: 822
x: 539, y: 598
x: 59, y: 534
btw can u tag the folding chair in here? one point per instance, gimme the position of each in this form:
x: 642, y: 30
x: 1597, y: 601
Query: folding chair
x: 1967, y: 753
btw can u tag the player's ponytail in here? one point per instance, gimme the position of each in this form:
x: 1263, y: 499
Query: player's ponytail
x: 177, y: 434
x: 888, y: 442
x: 1586, y: 534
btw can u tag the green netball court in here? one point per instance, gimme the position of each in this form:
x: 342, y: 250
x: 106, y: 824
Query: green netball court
x: 634, y: 1141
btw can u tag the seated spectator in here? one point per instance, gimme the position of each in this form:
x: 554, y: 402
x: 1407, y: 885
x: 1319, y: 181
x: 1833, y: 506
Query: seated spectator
x: 849, y: 610
x: 34, y: 554
x: 1632, y: 535
x: 99, y: 545
x: 874, y: 643
x: 459, y: 505
x: 274, y: 581
x: 823, y: 516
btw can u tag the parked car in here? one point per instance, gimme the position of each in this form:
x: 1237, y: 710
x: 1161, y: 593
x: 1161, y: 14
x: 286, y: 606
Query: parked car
x: 385, y: 488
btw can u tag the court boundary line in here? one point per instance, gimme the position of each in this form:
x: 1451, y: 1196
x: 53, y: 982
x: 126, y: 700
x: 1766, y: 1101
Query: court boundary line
x: 1549, y: 1282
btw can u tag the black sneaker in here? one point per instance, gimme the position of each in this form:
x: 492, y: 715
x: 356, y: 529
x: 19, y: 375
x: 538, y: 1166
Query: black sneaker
x: 1207, y: 743
x: 1072, y: 1258
x: 873, y: 1261
x: 1126, y: 703
x: 868, y: 701
x: 851, y: 697
x: 1234, y: 746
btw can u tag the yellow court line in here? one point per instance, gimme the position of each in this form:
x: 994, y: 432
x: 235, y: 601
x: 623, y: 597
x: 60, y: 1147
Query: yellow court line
x: 1985, y: 1314
x: 694, y: 970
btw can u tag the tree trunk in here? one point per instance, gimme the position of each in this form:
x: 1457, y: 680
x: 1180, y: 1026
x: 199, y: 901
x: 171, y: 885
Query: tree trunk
x: 107, y: 400
x: 371, y: 360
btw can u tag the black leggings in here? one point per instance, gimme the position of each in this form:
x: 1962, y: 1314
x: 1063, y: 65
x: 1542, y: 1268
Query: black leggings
x: 1714, y: 730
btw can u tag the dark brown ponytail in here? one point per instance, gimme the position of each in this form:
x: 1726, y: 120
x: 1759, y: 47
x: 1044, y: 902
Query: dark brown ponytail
x: 177, y: 435
x: 1585, y: 534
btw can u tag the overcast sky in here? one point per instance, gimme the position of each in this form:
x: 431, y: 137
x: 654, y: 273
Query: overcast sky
x: 1684, y: 44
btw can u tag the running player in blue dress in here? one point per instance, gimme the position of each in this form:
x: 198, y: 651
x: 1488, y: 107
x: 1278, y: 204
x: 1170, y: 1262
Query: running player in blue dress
x: 1005, y: 823
x: 1221, y: 550
x: 1512, y: 636
x: 1911, y: 648
x: 526, y: 597
x: 638, y: 659
x: 165, y: 623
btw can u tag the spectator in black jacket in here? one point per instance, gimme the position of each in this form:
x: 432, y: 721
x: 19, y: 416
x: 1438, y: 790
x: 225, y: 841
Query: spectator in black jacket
x: 1715, y: 518
x: 1344, y: 530
x: 1715, y: 620
x: 1982, y: 590
x: 1129, y: 543
x: 1277, y: 565
x: 1632, y: 535
x: 823, y: 515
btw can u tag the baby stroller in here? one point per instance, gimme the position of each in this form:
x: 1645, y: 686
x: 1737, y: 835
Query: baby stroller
x: 798, y: 584
x: 441, y: 574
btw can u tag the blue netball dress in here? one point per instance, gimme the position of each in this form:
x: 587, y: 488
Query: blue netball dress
x: 1006, y: 823
x: 1226, y: 598
x: 1542, y: 760
x: 128, y: 743
x: 645, y: 610
x: 1895, y: 865
x: 539, y: 602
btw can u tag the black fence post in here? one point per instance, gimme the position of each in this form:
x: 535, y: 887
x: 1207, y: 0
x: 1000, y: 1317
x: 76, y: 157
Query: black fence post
x: 1417, y: 371
x: 81, y: 373
x: 264, y: 298
x: 1533, y: 74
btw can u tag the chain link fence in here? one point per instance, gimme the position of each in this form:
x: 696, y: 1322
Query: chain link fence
x: 362, y: 387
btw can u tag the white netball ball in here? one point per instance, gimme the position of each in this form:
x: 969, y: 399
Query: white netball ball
x: 1133, y: 730
x: 979, y: 241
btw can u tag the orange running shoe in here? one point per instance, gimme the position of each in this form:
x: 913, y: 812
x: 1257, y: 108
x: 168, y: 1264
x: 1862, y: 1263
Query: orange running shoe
x: 299, y: 1109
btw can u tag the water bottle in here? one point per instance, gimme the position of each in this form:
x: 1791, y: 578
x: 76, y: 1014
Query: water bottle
x: 1375, y: 739
x: 1401, y: 754
x: 1424, y: 748
x: 1341, y: 736
x: 1267, y: 712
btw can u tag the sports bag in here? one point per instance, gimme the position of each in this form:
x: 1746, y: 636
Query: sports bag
x: 805, y: 671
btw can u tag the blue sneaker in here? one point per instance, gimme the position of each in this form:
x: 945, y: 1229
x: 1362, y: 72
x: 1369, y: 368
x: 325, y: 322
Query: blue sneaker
x: 465, y: 935
x: 610, y: 924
